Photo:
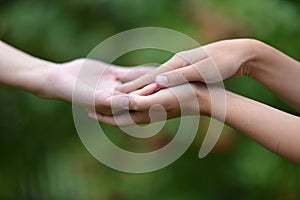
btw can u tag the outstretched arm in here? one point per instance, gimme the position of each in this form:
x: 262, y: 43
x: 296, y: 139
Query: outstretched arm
x: 22, y: 70
x: 57, y: 81
x: 277, y: 71
x: 272, y: 128
x: 221, y: 60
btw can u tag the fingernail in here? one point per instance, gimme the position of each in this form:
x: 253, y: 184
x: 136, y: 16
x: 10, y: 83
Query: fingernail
x: 161, y: 80
x: 124, y: 102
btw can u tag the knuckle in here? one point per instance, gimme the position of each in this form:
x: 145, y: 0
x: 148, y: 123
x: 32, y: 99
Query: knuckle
x: 147, y: 77
x: 176, y: 56
x: 134, y: 104
x: 181, y: 54
x: 140, y: 82
x: 180, y: 58
x: 139, y: 104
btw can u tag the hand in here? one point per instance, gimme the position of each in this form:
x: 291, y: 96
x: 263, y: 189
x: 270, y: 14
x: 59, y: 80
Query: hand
x: 211, y: 63
x: 185, y: 99
x: 95, y: 83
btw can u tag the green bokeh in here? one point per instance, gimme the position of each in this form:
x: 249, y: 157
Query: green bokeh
x: 42, y: 156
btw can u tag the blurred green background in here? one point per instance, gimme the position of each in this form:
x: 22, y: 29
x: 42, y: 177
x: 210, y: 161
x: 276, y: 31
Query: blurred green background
x: 42, y: 156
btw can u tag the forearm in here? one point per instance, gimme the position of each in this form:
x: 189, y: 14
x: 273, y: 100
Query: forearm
x: 272, y: 128
x: 22, y: 70
x: 276, y: 71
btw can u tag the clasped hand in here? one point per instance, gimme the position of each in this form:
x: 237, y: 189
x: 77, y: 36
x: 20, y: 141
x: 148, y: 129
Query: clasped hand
x: 175, y: 86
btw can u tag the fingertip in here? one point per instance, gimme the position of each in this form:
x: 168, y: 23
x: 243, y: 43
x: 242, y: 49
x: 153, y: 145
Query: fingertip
x: 162, y: 80
x: 92, y: 115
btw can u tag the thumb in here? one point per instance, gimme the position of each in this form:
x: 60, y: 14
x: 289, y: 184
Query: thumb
x: 178, y: 76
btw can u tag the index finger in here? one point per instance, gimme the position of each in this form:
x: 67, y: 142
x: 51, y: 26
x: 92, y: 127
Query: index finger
x: 143, y: 80
x: 179, y: 60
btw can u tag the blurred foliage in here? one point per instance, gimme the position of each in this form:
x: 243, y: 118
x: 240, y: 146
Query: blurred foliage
x: 42, y: 156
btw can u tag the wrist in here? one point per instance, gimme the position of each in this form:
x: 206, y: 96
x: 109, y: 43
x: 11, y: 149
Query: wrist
x: 203, y: 99
x: 212, y: 100
x: 22, y: 70
x: 38, y: 82
x: 252, y: 58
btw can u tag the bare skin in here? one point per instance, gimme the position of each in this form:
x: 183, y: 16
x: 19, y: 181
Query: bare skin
x: 56, y: 81
x: 272, y: 128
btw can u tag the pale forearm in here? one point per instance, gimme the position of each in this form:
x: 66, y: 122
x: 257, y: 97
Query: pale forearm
x: 272, y: 128
x: 277, y: 72
x: 21, y: 70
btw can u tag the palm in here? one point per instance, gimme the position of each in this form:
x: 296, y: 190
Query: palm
x: 89, y: 82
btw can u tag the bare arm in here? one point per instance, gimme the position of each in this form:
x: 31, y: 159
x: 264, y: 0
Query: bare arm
x: 57, y: 81
x: 277, y: 72
x: 22, y: 70
x: 272, y: 128
x: 221, y: 60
